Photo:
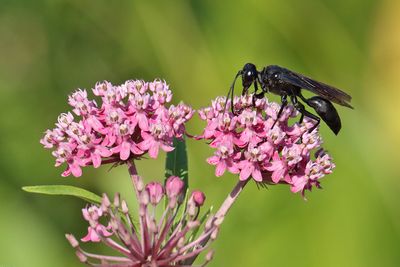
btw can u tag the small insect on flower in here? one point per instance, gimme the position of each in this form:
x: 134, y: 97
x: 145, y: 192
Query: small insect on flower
x: 246, y: 144
x: 286, y: 83
x: 131, y: 120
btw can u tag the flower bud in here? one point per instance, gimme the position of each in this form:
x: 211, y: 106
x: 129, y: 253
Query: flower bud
x: 181, y: 242
x: 198, y: 198
x: 72, y: 240
x: 193, y: 224
x: 124, y: 207
x: 86, y: 214
x: 81, y: 256
x: 210, y: 255
x: 155, y: 191
x: 214, y: 234
x: 153, y: 226
x: 105, y: 203
x: 139, y: 184
x: 174, y: 186
x: 191, y: 208
x: 116, y: 200
x: 144, y: 198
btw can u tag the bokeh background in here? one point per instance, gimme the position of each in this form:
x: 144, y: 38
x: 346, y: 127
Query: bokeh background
x: 48, y: 48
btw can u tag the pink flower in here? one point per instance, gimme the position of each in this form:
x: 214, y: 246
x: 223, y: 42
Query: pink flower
x: 131, y: 120
x: 279, y: 169
x: 178, y: 115
x: 81, y: 104
x: 95, y: 234
x: 89, y: 149
x: 292, y: 154
x: 64, y: 120
x: 325, y: 162
x: 139, y: 105
x: 126, y: 145
x: 52, y: 138
x: 245, y: 143
x: 254, y: 158
x: 153, y: 143
x: 224, y: 158
x: 311, y: 140
x: 96, y: 230
x: 305, y: 181
x: 64, y: 154
x: 161, y: 93
x: 101, y: 88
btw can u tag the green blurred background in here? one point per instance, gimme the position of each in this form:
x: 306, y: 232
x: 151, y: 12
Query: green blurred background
x: 49, y: 48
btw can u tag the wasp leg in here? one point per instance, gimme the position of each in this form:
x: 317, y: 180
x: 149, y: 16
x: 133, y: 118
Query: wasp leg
x: 255, y: 95
x: 301, y: 118
x: 305, y: 100
x: 283, y: 105
x: 300, y: 108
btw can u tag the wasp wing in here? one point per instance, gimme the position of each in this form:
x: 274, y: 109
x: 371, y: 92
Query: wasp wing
x: 328, y: 92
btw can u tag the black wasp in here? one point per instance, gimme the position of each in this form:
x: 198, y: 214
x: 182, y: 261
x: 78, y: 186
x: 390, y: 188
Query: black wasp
x: 287, y: 83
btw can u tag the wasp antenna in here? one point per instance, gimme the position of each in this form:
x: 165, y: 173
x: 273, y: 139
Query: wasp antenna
x: 231, y: 91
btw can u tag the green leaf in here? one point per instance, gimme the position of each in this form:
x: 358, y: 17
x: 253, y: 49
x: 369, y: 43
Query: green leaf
x: 64, y: 190
x: 177, y: 162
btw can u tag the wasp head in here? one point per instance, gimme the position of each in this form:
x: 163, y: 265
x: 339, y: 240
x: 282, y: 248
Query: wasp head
x: 249, y: 75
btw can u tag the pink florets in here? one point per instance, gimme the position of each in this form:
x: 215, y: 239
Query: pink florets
x: 246, y: 144
x: 131, y: 120
x: 95, y: 230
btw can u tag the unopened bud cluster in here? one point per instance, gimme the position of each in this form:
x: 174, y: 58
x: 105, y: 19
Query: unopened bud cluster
x: 175, y: 239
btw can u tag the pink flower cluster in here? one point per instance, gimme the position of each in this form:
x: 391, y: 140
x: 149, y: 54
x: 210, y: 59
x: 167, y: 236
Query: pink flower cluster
x: 245, y: 143
x: 131, y: 120
x: 173, y: 240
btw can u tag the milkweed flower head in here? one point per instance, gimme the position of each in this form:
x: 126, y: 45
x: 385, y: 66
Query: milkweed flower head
x: 130, y: 120
x: 246, y: 144
x: 172, y: 240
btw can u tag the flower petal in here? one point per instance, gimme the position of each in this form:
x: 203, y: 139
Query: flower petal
x: 246, y: 171
x: 221, y: 167
x: 153, y: 151
x: 96, y: 159
x: 75, y: 170
x: 256, y: 174
x: 125, y: 150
